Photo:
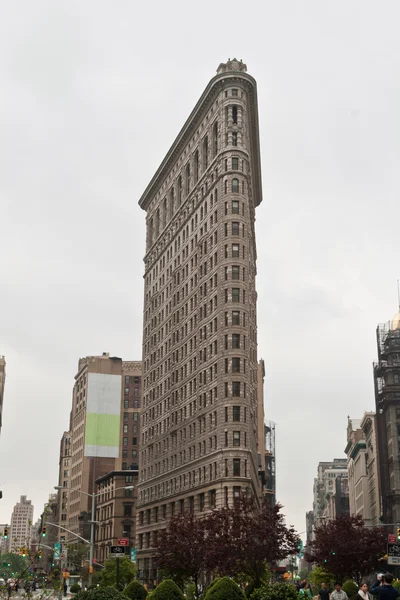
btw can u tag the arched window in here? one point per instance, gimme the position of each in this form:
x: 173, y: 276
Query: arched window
x: 187, y: 179
x: 226, y: 186
x: 196, y: 166
x: 215, y: 138
x: 164, y: 214
x: 235, y: 186
x: 179, y: 190
x: 234, y: 115
x: 205, y: 152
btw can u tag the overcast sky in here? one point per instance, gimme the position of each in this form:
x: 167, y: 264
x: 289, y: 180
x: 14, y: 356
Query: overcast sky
x: 92, y: 95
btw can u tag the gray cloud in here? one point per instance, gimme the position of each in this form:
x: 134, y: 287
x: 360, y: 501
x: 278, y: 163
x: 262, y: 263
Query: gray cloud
x: 93, y: 95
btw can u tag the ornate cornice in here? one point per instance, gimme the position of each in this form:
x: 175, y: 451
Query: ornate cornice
x: 192, y: 123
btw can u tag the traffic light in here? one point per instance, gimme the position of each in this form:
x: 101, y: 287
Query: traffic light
x: 398, y: 534
x: 40, y: 554
x: 5, y: 534
x: 44, y: 529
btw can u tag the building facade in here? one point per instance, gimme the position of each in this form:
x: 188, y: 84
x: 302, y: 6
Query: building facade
x: 20, y: 530
x: 103, y: 435
x: 368, y: 425
x: 115, y: 511
x: 200, y: 423
x: 2, y: 385
x: 326, y: 495
x: 387, y: 403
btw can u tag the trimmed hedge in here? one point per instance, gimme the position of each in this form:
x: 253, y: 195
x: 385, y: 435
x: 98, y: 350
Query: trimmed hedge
x: 224, y: 588
x: 135, y: 590
x: 350, y: 588
x: 101, y: 593
x: 75, y: 588
x: 275, y: 591
x: 166, y: 590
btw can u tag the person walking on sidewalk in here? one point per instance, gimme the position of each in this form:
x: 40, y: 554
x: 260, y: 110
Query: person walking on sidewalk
x: 338, y: 593
x: 384, y: 589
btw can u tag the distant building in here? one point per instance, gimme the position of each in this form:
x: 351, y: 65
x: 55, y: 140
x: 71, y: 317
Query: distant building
x: 361, y: 464
x: 2, y: 384
x: 115, y: 510
x: 20, y: 529
x: 387, y: 402
x: 265, y: 444
x: 368, y: 425
x: 325, y: 491
x: 103, y: 435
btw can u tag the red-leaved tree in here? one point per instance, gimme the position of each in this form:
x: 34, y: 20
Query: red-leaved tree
x: 246, y: 539
x: 182, y: 547
x: 346, y: 548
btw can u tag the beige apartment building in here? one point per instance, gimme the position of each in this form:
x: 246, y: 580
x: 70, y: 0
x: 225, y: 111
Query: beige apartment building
x: 2, y: 385
x: 103, y: 435
x: 199, y: 446
x: 20, y: 530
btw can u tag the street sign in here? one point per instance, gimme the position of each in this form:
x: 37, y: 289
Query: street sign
x: 392, y: 538
x: 123, y: 541
x: 133, y: 554
x: 57, y: 551
x: 393, y: 554
x: 116, y: 551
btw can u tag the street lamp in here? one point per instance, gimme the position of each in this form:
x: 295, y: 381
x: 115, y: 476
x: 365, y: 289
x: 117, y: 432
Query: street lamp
x: 92, y: 521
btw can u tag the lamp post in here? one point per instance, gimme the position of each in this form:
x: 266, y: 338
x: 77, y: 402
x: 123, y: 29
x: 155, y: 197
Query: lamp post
x: 92, y: 521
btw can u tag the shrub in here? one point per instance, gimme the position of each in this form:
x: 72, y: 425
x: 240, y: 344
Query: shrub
x: 275, y: 591
x: 350, y: 588
x: 224, y: 589
x: 75, y: 588
x: 101, y: 593
x: 167, y: 590
x: 135, y: 590
x: 396, y: 584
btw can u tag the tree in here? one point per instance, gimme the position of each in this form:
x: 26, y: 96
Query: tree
x: 318, y: 576
x: 181, y: 549
x: 127, y: 572
x: 276, y: 591
x: 346, y: 548
x: 135, y: 590
x: 167, y: 590
x: 245, y: 538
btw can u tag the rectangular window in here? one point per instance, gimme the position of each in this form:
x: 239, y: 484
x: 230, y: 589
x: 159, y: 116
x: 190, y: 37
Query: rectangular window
x: 164, y: 511
x: 127, y: 510
x: 235, y: 272
x: 235, y: 295
x: 226, y: 439
x: 235, y: 228
x: 125, y: 428
x: 235, y: 340
x: 134, y: 453
x: 135, y: 416
x: 236, y: 389
x: 235, y: 207
x: 235, y: 365
x: 236, y: 438
x: 234, y: 138
x: 395, y: 378
x: 236, y: 467
x: 235, y: 163
x: 236, y: 413
x: 201, y: 502
x: 126, y: 403
x: 235, y: 317
x: 235, y: 92
x: 134, y: 441
x: 235, y: 250
x: 226, y: 295
x: 136, y: 379
x: 226, y: 414
x: 125, y: 442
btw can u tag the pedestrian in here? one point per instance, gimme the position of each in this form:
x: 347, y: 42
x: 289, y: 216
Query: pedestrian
x: 305, y: 591
x: 338, y: 593
x: 384, y: 589
x: 9, y: 589
x: 65, y: 588
x: 323, y: 592
x: 363, y: 592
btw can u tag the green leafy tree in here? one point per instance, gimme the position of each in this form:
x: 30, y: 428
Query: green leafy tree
x: 127, y: 572
x: 318, y: 576
x: 224, y: 588
x: 167, y: 590
x: 135, y: 590
x: 275, y: 591
x: 350, y: 588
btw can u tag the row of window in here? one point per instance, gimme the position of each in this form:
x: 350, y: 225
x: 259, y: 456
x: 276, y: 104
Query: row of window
x: 235, y: 228
x: 236, y: 295
x: 134, y: 441
x: 235, y: 186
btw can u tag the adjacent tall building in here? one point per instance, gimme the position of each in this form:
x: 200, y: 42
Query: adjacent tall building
x: 387, y: 401
x: 2, y: 385
x: 20, y: 529
x: 103, y: 435
x: 200, y: 422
